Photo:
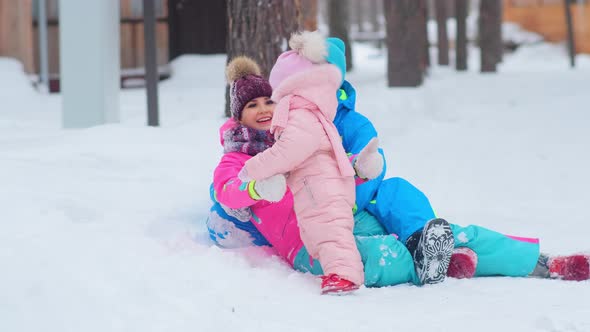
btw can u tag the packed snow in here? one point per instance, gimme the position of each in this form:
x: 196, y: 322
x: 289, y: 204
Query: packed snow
x: 103, y: 229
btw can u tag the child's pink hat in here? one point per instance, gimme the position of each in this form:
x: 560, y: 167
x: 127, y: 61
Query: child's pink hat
x: 307, y: 48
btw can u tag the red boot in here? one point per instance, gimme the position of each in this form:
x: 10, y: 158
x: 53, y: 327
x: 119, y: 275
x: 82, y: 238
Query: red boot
x: 574, y: 267
x: 463, y: 263
x: 333, y: 284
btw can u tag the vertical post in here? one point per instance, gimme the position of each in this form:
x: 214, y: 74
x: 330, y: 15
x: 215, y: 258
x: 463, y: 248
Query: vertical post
x: 43, y: 52
x: 151, y: 65
x: 441, y: 28
x: 338, y: 25
x: 89, y: 62
x: 461, y: 38
x: 490, y: 37
x: 405, y: 42
x: 570, y: 33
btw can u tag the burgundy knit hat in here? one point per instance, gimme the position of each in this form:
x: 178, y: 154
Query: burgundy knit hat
x: 243, y: 75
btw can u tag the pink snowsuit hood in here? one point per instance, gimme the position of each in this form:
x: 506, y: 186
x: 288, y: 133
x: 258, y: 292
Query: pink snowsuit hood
x: 303, y: 90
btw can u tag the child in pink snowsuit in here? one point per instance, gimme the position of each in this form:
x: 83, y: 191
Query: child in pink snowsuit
x: 309, y: 149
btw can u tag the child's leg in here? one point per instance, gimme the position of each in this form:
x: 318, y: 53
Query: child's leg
x: 498, y: 254
x: 387, y: 261
x: 401, y: 208
x: 326, y: 231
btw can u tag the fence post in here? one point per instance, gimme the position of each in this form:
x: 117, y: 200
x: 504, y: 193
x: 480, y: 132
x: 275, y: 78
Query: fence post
x: 570, y: 33
x: 151, y: 65
x: 43, y: 52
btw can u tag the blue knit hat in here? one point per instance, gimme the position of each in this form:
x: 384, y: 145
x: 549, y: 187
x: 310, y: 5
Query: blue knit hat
x: 337, y: 54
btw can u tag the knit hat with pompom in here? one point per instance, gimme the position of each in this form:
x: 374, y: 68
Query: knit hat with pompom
x: 243, y: 75
x: 308, y: 48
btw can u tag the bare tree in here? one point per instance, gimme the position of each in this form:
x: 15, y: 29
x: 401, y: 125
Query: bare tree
x: 308, y: 20
x: 338, y: 21
x: 490, y: 34
x: 461, y: 7
x: 426, y: 52
x: 441, y: 27
x: 260, y: 29
x: 405, y: 42
x: 375, y: 9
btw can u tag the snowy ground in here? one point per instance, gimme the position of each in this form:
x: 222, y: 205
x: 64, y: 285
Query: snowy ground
x: 103, y: 228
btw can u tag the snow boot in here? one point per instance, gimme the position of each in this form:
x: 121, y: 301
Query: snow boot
x: 333, y: 284
x: 431, y: 248
x: 463, y: 263
x: 573, y: 267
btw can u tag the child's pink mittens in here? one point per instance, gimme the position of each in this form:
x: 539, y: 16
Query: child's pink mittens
x: 369, y: 162
x: 271, y: 189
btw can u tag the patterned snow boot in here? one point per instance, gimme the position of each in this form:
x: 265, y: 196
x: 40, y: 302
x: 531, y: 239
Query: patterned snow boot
x: 463, y: 263
x: 573, y: 267
x: 431, y: 248
x: 333, y: 284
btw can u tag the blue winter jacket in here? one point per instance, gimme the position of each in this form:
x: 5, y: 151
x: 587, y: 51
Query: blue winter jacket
x: 356, y: 132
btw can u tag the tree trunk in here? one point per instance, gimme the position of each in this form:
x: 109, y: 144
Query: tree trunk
x: 338, y: 21
x: 461, y: 38
x: 260, y: 29
x: 490, y: 35
x: 374, y: 11
x: 197, y: 27
x: 441, y: 27
x: 308, y: 20
x: 498, y: 27
x: 426, y: 52
x: 405, y: 41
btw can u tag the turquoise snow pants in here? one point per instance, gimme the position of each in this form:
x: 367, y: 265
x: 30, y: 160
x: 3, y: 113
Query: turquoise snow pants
x: 402, y: 209
x: 388, y: 262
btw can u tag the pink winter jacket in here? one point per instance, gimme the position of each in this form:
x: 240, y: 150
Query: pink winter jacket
x: 321, y: 178
x: 275, y: 221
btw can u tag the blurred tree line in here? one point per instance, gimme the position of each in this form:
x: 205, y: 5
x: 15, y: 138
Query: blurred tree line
x: 261, y: 28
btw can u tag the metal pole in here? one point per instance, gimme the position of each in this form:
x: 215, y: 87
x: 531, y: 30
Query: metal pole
x: 151, y: 66
x: 570, y: 33
x: 43, y: 54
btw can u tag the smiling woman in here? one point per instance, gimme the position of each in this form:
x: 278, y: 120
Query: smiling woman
x: 258, y: 113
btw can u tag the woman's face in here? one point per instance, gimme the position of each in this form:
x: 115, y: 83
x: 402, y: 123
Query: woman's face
x: 257, y: 113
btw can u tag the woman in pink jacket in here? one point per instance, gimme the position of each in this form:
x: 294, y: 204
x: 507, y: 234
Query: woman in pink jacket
x: 269, y: 204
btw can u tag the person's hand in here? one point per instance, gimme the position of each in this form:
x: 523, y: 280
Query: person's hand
x: 271, y: 189
x: 369, y: 162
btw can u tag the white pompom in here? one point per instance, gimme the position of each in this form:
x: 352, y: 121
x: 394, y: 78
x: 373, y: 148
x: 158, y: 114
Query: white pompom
x: 310, y: 45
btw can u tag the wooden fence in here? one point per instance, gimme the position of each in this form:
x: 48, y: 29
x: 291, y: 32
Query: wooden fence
x: 19, y: 33
x: 547, y: 18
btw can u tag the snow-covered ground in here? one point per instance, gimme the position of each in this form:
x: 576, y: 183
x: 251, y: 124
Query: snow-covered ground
x: 103, y: 228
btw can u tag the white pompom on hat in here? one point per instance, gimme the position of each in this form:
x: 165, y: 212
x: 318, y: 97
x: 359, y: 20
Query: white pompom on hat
x: 307, y: 49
